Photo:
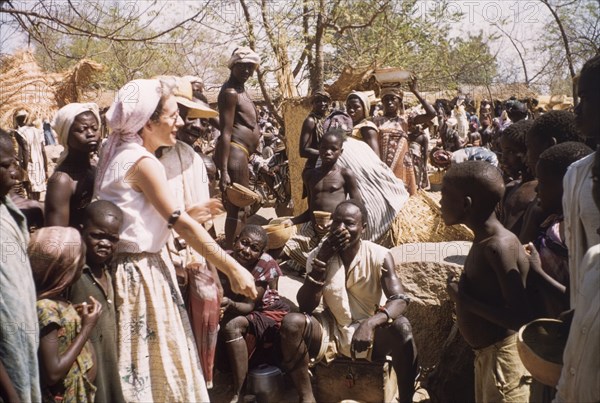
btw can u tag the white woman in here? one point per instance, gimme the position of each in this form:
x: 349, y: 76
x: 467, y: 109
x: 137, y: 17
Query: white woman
x: 158, y: 360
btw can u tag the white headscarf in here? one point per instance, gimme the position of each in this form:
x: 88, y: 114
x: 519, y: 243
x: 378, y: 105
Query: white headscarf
x: 64, y: 120
x: 133, y: 106
x: 243, y: 54
x: 364, y: 98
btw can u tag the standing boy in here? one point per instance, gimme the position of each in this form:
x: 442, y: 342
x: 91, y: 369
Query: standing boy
x: 328, y: 185
x: 100, y: 232
x: 491, y: 303
x: 240, y: 132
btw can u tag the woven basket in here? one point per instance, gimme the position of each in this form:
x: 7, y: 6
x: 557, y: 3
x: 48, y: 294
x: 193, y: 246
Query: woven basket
x: 241, y: 196
x: 278, y: 235
x: 541, y: 344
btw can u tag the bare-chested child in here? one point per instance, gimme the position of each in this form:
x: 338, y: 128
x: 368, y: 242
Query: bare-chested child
x: 240, y: 133
x: 328, y: 185
x: 491, y: 303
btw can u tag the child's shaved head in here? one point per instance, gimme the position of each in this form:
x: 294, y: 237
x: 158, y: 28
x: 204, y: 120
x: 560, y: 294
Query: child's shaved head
x: 336, y: 133
x: 257, y: 231
x: 480, y: 181
x: 102, y: 208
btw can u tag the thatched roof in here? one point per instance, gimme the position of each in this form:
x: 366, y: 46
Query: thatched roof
x: 26, y: 86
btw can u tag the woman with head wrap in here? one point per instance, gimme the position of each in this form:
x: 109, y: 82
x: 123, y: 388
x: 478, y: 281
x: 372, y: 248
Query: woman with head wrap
x: 158, y: 360
x: 71, y: 186
x: 67, y: 359
x: 393, y: 132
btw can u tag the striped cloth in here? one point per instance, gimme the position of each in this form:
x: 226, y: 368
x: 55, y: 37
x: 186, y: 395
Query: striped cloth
x: 382, y: 193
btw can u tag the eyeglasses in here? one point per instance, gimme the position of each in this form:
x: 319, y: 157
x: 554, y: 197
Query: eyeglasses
x: 174, y: 116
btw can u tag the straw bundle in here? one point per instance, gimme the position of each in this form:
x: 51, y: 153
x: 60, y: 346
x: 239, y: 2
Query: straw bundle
x: 71, y: 87
x: 420, y: 220
x: 26, y: 86
x: 359, y: 79
x: 295, y: 110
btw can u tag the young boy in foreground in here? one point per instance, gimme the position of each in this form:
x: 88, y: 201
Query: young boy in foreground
x: 491, y: 304
x: 100, y: 230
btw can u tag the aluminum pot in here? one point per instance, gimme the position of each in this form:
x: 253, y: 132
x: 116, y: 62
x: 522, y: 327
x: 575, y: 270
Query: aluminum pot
x: 266, y: 383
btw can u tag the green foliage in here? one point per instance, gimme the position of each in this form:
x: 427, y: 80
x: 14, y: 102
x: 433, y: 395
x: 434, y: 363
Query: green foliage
x: 106, y: 32
x: 410, y: 37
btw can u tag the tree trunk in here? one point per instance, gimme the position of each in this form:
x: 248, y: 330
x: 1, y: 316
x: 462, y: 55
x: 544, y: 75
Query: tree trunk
x: 316, y: 72
x: 565, y: 40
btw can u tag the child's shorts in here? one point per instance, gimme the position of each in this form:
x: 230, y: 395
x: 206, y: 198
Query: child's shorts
x: 499, y: 373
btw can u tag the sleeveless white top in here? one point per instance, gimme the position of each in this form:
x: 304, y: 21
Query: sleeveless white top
x: 144, y: 229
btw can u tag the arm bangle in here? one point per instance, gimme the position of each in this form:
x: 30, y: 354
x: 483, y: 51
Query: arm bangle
x: 173, y: 218
x: 319, y: 263
x: 316, y: 282
x: 403, y: 297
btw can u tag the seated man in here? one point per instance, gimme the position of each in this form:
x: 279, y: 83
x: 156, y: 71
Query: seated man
x: 350, y: 275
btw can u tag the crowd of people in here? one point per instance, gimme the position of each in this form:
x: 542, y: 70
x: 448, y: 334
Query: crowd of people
x: 116, y: 288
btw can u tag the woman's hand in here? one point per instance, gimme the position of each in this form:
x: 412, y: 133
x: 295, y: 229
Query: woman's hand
x: 202, y: 212
x: 242, y: 282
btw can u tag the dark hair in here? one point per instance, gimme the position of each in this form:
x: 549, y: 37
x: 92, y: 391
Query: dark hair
x: 102, y: 208
x: 516, y: 133
x: 479, y: 180
x: 557, y: 158
x: 591, y: 69
x: 359, y: 205
x: 5, y: 137
x: 559, y: 125
x: 336, y: 132
x: 252, y: 229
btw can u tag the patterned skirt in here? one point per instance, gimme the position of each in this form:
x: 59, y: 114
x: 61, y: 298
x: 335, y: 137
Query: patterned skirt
x: 158, y: 360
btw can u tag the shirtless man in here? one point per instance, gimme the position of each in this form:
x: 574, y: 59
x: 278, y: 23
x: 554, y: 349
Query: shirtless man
x: 491, y: 303
x: 312, y: 128
x: 240, y: 132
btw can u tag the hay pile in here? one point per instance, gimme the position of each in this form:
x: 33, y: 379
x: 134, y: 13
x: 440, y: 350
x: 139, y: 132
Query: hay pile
x: 359, y: 79
x: 74, y: 82
x: 26, y: 86
x: 420, y: 220
x: 294, y: 111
